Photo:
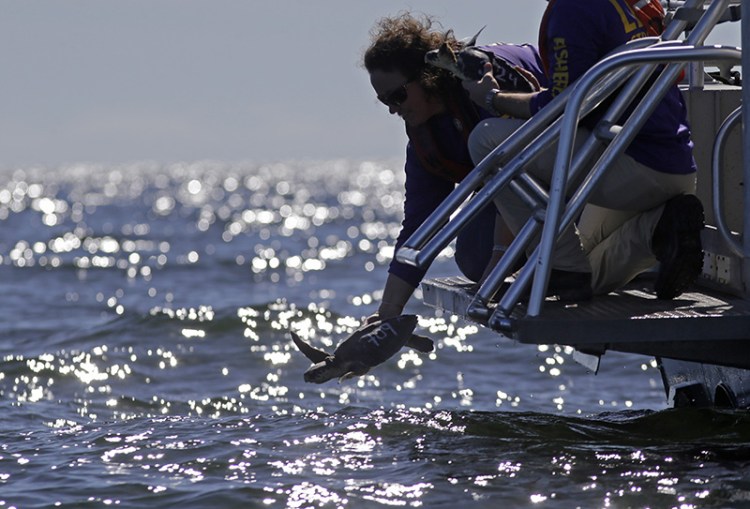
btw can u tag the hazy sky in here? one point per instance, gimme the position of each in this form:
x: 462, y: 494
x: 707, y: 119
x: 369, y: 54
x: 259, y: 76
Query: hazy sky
x: 183, y: 80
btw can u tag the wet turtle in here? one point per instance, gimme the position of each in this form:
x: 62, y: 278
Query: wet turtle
x: 368, y: 346
x: 468, y: 64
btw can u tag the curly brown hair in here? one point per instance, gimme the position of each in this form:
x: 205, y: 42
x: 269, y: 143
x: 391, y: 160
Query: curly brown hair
x: 399, y: 43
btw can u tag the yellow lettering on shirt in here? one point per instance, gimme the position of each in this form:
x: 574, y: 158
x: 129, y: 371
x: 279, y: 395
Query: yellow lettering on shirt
x: 560, y: 73
x: 628, y: 25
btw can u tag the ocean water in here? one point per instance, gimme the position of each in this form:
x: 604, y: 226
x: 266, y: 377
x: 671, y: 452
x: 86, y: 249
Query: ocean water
x: 145, y: 361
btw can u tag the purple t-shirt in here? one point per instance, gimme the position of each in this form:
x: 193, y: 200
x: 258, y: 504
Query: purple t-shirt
x: 579, y: 33
x: 425, y: 190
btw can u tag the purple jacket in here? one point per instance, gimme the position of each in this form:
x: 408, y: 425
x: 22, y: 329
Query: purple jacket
x: 425, y: 190
x: 578, y: 34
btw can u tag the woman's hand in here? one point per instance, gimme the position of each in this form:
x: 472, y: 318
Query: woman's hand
x: 486, y: 93
x: 478, y: 90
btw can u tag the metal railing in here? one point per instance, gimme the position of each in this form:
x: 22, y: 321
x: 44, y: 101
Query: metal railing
x: 745, y: 24
x: 717, y: 154
x: 631, y: 66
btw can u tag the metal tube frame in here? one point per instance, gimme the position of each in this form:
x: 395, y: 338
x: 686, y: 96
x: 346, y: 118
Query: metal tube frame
x: 593, y: 142
x: 745, y: 29
x: 508, y: 160
x: 617, y: 109
x: 429, y: 239
x: 553, y: 225
x: 718, y: 196
x: 553, y: 222
x: 439, y: 229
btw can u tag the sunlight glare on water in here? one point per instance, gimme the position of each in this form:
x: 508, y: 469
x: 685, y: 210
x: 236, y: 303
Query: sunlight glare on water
x: 146, y: 361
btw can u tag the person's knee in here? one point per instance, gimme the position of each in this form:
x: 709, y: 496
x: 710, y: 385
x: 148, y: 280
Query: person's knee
x: 475, y: 242
x: 479, y: 142
x: 488, y: 134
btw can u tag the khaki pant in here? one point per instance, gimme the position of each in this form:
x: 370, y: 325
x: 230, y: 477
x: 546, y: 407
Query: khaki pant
x: 613, y: 235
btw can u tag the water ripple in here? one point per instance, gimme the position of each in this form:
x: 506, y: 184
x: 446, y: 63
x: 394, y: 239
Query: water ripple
x: 145, y: 361
x: 381, y: 457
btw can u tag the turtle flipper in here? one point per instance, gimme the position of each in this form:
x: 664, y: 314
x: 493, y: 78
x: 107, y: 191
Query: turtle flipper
x: 420, y: 343
x: 310, y: 352
x: 323, y: 371
x: 472, y: 41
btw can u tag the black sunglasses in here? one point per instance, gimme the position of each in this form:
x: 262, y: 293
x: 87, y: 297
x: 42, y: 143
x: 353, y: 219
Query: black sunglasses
x: 395, y: 97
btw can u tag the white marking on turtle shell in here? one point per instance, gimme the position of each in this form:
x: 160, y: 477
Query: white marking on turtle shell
x: 379, y: 334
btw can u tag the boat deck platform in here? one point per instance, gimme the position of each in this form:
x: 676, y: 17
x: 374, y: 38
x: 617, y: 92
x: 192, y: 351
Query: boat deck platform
x: 702, y: 325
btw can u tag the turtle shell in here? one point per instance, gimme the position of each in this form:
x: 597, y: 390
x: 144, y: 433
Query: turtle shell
x: 377, y: 342
x: 367, y: 347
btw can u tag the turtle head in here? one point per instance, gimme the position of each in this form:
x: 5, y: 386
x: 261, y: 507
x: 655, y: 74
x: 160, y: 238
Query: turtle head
x: 443, y: 57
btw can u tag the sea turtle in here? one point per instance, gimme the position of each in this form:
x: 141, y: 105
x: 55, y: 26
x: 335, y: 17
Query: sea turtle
x: 368, y: 346
x: 468, y: 64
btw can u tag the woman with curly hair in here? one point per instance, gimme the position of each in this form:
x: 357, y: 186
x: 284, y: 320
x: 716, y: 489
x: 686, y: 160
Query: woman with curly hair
x: 438, y: 115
